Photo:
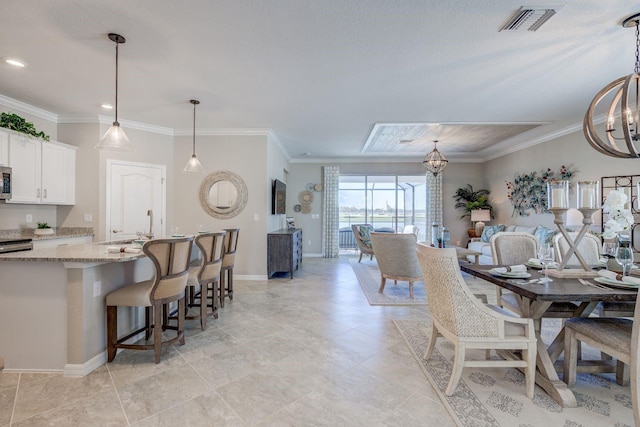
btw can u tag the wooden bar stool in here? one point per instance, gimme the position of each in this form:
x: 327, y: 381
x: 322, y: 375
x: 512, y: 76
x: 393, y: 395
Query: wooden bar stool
x: 228, y: 261
x: 171, y: 260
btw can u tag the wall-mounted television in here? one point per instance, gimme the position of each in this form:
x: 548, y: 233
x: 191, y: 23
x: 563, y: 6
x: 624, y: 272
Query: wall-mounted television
x: 278, y: 197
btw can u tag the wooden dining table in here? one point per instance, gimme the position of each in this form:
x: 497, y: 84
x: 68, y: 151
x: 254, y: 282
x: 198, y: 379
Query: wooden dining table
x: 534, y: 300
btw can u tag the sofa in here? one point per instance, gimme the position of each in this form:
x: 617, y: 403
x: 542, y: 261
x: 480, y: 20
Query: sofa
x: 482, y: 245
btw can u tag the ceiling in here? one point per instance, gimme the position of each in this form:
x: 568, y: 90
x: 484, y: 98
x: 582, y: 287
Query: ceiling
x: 325, y: 75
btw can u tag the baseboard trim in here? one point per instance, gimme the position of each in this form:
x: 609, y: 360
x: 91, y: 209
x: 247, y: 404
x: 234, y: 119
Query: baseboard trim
x: 78, y: 370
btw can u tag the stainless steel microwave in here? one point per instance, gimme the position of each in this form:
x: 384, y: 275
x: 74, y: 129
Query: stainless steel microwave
x: 5, y: 184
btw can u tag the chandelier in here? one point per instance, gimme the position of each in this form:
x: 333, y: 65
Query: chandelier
x: 435, y: 161
x: 619, y: 101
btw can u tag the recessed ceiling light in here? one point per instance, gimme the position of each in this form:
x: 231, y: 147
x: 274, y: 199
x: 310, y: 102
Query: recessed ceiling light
x: 107, y: 106
x: 15, y: 62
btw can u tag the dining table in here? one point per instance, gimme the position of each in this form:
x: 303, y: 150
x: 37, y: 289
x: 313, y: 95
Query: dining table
x: 534, y: 299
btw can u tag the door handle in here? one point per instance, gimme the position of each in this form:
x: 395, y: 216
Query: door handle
x: 45, y: 193
x: 38, y: 192
x: 115, y: 231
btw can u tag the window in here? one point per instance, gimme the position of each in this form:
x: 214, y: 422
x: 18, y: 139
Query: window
x: 388, y: 203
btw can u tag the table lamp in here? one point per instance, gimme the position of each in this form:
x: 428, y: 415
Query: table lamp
x: 478, y: 216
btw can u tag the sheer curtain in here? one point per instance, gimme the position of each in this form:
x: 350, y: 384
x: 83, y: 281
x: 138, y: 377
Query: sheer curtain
x: 434, y: 203
x: 331, y: 215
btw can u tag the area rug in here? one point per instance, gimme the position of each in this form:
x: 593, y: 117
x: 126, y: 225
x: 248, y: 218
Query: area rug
x: 368, y: 276
x: 497, y: 397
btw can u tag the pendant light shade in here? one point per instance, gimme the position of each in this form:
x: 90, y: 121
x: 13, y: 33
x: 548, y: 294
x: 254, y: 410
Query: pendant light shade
x: 435, y: 161
x: 193, y: 165
x: 114, y: 138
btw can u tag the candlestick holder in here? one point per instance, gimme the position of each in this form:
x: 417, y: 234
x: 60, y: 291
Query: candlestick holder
x: 559, y: 214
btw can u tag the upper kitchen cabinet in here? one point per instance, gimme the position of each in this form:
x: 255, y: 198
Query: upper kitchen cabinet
x: 4, y: 148
x: 43, y: 172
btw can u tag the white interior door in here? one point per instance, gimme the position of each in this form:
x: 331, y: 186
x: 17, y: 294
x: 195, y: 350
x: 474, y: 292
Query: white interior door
x: 134, y: 189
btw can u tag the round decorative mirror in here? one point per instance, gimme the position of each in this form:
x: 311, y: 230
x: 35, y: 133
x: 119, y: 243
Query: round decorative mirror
x: 223, y: 194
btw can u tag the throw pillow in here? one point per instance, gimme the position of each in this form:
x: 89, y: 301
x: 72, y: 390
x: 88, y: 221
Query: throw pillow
x: 489, y: 231
x: 544, y: 235
x: 365, y: 234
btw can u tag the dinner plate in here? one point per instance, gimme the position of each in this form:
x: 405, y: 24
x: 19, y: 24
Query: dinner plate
x: 616, y: 283
x: 511, y: 274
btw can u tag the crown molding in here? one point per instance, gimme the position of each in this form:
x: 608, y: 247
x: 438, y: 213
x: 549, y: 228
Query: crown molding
x: 29, y: 109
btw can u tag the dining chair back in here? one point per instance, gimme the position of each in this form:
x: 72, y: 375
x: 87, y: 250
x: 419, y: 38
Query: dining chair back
x: 228, y: 263
x: 617, y: 337
x: 589, y: 247
x: 204, y: 279
x: 170, y: 258
x: 512, y: 248
x: 467, y: 323
x: 397, y: 260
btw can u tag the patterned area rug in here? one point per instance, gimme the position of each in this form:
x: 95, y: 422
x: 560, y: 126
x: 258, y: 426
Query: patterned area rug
x: 368, y: 276
x: 496, y: 397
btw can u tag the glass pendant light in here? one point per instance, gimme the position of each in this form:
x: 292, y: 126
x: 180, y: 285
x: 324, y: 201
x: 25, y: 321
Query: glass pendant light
x: 114, y: 138
x: 193, y: 165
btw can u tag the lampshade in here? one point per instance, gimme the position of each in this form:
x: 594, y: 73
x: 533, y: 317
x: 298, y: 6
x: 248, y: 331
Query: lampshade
x: 114, y: 139
x: 619, y: 103
x: 480, y: 215
x: 193, y: 165
x: 435, y: 161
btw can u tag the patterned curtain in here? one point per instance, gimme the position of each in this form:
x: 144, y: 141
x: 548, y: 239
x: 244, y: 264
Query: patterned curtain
x: 434, y: 203
x: 331, y: 216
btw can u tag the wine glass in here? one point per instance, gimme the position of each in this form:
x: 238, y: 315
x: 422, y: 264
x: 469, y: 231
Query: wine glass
x: 624, y: 257
x: 609, y: 249
x: 546, y: 257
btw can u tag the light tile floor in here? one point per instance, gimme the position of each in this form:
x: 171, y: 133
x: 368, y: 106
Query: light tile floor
x: 308, y: 351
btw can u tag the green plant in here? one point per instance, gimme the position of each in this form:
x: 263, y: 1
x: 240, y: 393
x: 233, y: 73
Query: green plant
x: 469, y: 199
x: 19, y: 124
x: 42, y: 225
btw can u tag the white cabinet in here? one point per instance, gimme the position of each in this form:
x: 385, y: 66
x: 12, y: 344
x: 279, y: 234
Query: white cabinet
x: 43, y: 172
x: 4, y: 148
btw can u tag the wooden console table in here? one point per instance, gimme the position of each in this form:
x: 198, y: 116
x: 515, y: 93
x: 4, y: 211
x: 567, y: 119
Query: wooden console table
x: 284, y: 251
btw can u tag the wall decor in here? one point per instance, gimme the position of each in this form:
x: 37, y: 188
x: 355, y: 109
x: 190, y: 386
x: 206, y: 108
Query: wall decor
x: 223, y: 194
x: 528, y: 192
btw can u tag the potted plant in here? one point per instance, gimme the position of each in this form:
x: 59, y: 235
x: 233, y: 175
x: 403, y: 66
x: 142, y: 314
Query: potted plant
x: 469, y: 199
x: 43, y: 229
x: 15, y: 122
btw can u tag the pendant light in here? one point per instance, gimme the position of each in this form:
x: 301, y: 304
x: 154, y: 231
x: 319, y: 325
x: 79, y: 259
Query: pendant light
x: 193, y: 165
x: 435, y: 161
x: 114, y: 138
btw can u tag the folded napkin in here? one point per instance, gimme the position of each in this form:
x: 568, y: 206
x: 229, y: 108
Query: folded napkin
x: 520, y: 268
x: 619, y: 277
x: 537, y: 263
x: 123, y: 249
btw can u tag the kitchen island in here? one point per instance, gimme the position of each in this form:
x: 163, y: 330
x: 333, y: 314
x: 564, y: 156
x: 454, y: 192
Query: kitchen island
x: 52, y: 306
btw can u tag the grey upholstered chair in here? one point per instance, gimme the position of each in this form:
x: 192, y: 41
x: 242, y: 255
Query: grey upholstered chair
x: 361, y: 232
x: 228, y: 263
x: 170, y: 258
x: 397, y: 260
x: 204, y: 279
x: 512, y: 248
x: 468, y: 323
x: 616, y: 337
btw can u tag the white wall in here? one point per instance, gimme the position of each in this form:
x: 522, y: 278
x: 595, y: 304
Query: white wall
x: 277, y: 168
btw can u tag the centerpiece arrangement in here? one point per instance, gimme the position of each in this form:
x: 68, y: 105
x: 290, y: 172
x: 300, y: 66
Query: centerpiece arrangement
x: 619, y: 219
x: 43, y: 229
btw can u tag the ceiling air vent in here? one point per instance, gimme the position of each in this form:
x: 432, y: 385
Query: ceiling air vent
x: 529, y: 18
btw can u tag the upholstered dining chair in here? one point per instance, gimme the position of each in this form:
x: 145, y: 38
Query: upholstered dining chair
x: 397, y: 260
x: 204, y: 279
x: 362, y: 234
x: 617, y: 337
x: 228, y: 263
x: 512, y: 248
x: 170, y: 258
x: 468, y: 323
